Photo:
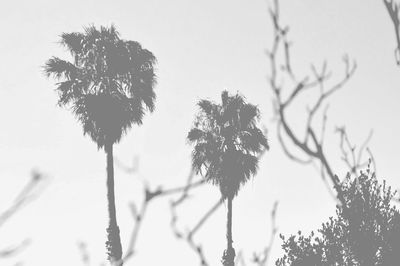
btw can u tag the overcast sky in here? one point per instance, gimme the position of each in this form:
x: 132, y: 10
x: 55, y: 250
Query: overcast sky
x: 202, y: 47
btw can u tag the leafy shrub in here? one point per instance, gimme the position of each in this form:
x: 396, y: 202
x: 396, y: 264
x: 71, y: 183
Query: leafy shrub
x: 365, y: 231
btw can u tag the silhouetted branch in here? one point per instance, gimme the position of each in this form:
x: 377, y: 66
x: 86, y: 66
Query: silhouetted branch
x: 128, y: 169
x: 353, y: 161
x: 139, y: 214
x: 287, y: 151
x: 84, y: 253
x: 239, y: 260
x: 205, y: 217
x: 185, y: 192
x: 27, y: 194
x: 393, y: 10
x: 310, y: 146
x: 262, y: 259
x: 188, y: 236
x: 13, y: 250
x: 371, y: 156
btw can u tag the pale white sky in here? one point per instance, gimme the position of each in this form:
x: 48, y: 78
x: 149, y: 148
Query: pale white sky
x: 202, y: 47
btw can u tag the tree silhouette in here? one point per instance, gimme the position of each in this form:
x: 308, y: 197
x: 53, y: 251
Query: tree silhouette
x: 109, y: 86
x: 367, y: 232
x: 227, y: 143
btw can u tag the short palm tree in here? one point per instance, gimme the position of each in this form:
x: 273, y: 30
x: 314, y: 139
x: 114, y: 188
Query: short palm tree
x: 227, y: 145
x: 109, y: 86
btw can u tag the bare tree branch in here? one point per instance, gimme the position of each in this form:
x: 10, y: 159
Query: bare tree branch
x: 393, y: 9
x: 188, y: 236
x: 262, y: 259
x: 310, y: 146
x: 28, y: 193
x: 149, y: 196
x: 354, y: 160
x: 85, y: 257
x: 25, y: 196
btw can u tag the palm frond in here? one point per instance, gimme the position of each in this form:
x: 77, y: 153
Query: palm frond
x: 207, y: 107
x: 231, y: 110
x: 136, y: 110
x: 142, y: 87
x: 225, y: 98
x: 146, y: 59
x: 66, y: 92
x: 249, y: 114
x: 195, y: 134
x: 133, y: 49
x: 73, y: 41
x: 249, y: 164
x: 60, y: 69
x: 253, y: 140
x: 109, y: 33
x: 91, y: 34
x: 148, y: 97
x: 199, y: 156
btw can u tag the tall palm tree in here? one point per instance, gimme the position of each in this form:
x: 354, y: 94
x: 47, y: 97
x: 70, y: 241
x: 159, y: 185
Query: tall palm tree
x: 227, y: 145
x: 109, y: 86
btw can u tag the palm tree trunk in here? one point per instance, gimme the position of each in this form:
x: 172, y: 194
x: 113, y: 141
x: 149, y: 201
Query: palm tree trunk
x: 229, y: 224
x: 113, y: 243
x: 228, y: 258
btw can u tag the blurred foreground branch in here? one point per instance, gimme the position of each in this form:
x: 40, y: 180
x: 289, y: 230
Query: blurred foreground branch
x: 262, y: 259
x: 309, y: 146
x: 28, y: 193
x: 149, y: 196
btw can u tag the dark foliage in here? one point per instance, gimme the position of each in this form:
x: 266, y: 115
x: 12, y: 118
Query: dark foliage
x: 367, y: 232
x: 109, y: 84
x: 227, y: 142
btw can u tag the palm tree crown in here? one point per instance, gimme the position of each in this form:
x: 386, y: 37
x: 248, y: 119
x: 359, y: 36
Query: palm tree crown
x: 227, y: 142
x: 109, y: 84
